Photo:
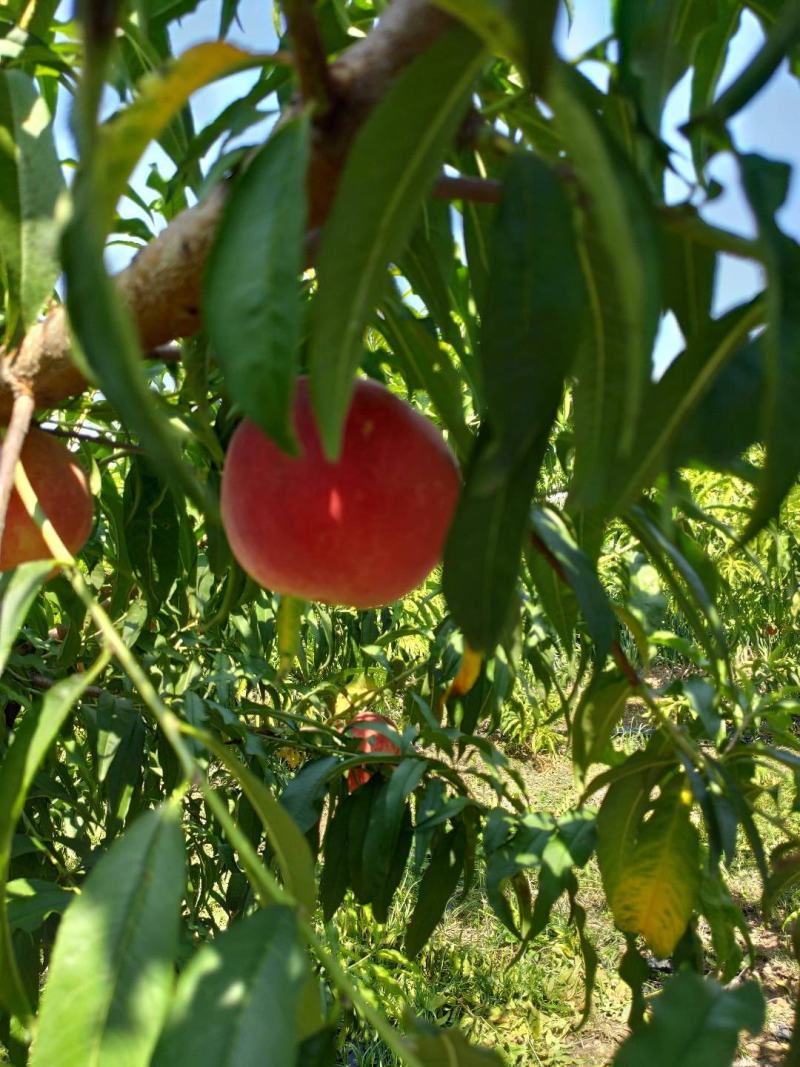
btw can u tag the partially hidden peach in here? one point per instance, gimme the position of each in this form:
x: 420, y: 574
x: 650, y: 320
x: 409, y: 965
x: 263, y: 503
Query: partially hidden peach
x: 371, y: 741
x: 63, y: 491
x: 362, y: 531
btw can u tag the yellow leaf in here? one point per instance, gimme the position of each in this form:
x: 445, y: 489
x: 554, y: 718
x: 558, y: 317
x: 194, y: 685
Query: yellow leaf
x: 468, y: 673
x: 657, y: 882
x: 159, y: 98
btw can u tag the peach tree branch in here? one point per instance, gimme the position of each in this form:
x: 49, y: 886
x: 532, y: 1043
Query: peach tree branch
x: 162, y: 286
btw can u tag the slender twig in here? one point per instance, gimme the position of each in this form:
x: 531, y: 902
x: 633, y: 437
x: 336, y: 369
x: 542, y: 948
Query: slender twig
x: 686, y: 221
x: 311, y: 62
x: 625, y: 665
x: 95, y: 439
x: 40, y: 681
x: 543, y: 550
x: 21, y: 414
x: 165, y: 354
x: 475, y: 190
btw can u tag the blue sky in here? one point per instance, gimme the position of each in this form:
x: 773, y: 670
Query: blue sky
x: 764, y: 126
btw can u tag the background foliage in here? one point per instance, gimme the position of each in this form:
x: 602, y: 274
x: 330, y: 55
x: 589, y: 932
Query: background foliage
x: 184, y: 876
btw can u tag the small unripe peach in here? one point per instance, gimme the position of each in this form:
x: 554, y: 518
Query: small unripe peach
x: 371, y: 741
x: 361, y: 531
x: 63, y: 491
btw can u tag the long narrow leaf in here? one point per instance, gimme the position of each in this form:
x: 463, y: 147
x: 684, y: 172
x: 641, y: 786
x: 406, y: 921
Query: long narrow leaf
x: 160, y: 98
x: 622, y: 271
x: 110, y: 976
x: 766, y: 184
x: 18, y: 589
x: 252, y: 295
x: 31, y: 182
x: 237, y: 1001
x: 31, y: 743
x: 391, y: 167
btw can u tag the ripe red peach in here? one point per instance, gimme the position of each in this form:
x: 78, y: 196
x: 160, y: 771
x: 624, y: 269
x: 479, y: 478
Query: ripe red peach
x: 361, y: 531
x: 371, y: 741
x: 63, y: 491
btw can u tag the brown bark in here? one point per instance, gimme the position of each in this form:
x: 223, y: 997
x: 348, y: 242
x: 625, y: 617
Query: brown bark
x: 162, y: 286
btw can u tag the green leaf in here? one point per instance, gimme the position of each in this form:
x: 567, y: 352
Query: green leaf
x: 536, y: 309
x: 292, y: 853
x: 238, y: 999
x: 125, y: 772
x: 18, y: 589
x: 657, y: 42
x: 554, y: 596
x: 478, y: 221
x: 687, y: 586
x: 319, y: 1049
x: 570, y: 845
x: 384, y: 892
x: 766, y: 184
x: 32, y: 900
x: 695, y: 1023
x: 484, y: 545
x: 336, y: 867
x: 783, y: 877
x: 437, y: 887
x: 490, y: 19
x: 253, y: 307
x: 688, y: 268
x: 726, y: 420
x: 110, y: 977
x: 304, y: 794
x: 622, y: 272
x: 110, y: 347
x: 386, y: 821
x: 725, y: 920
x: 536, y: 24
x: 651, y: 872
x: 536, y: 841
x: 678, y: 398
x: 394, y: 161
x: 709, y: 63
x: 578, y: 572
x: 577, y: 915
x: 427, y: 365
x: 31, y: 182
x: 517, y: 29
x: 361, y: 803
x: 22, y: 760
x: 436, y: 1047
x: 600, y: 709
x: 429, y: 263
x: 782, y: 39
x: 290, y: 619
x: 160, y: 98
x: 624, y: 807
x: 151, y: 531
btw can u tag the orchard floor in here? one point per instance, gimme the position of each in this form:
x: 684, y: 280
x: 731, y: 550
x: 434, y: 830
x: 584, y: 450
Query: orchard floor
x: 530, y: 1011
x: 549, y: 780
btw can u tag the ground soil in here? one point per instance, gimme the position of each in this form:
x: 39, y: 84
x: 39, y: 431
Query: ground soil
x: 549, y: 781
